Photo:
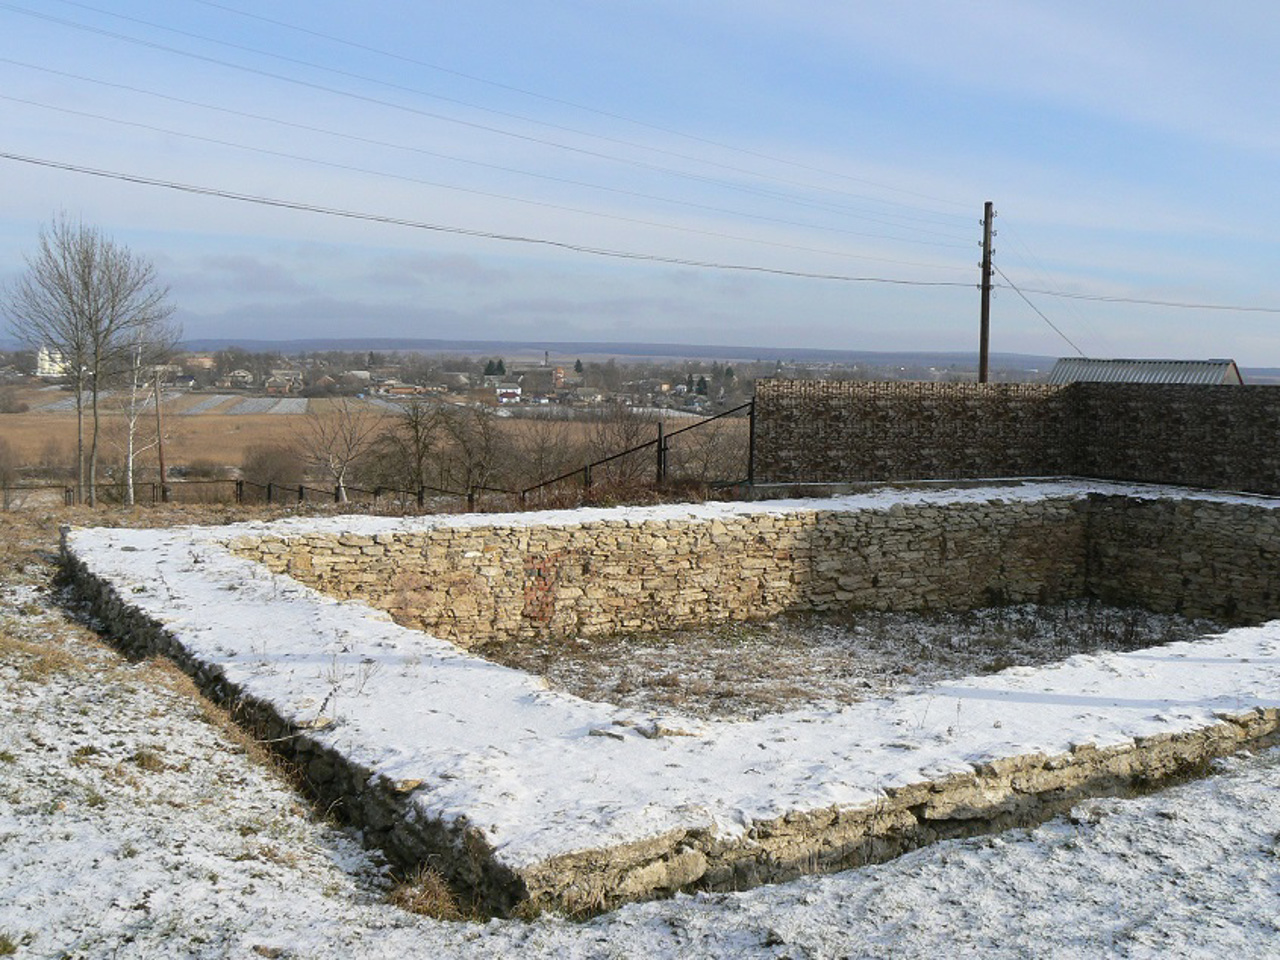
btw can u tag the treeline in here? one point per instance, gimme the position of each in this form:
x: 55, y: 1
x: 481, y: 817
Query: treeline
x: 452, y: 448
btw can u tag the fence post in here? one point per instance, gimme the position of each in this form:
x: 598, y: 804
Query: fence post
x: 69, y: 496
x: 239, y: 491
x: 422, y: 497
x: 302, y: 493
x: 271, y: 491
x: 662, y: 454
x: 751, y: 443
x: 586, y: 475
x: 337, y: 493
x: 471, y: 499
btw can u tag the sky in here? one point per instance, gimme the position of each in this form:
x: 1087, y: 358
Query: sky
x: 830, y: 159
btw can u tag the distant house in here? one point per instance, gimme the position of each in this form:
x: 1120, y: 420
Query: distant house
x: 1090, y: 370
x: 50, y: 363
x: 394, y: 388
x: 507, y: 392
x: 278, y: 386
x: 236, y: 379
x: 588, y: 395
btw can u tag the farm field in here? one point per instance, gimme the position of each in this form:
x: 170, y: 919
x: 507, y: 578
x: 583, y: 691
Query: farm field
x: 218, y: 428
x: 135, y: 821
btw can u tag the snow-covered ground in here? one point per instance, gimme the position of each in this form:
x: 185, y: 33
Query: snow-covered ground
x: 530, y: 768
x: 133, y: 824
x: 133, y: 827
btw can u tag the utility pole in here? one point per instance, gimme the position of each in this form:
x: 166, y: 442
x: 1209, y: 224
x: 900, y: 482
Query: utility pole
x: 984, y: 337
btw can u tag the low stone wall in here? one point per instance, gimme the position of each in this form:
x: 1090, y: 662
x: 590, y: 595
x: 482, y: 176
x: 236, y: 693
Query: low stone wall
x: 1199, y: 558
x: 1019, y: 791
x: 379, y: 807
x: 510, y: 578
x: 472, y: 583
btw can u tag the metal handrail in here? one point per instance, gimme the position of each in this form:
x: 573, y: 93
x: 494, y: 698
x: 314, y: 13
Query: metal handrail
x: 662, y: 439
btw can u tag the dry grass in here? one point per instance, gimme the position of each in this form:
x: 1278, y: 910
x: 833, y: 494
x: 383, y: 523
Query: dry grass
x: 36, y: 661
x: 743, y: 671
x: 425, y: 892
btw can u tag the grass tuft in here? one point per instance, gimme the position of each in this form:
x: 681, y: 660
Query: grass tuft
x: 425, y: 892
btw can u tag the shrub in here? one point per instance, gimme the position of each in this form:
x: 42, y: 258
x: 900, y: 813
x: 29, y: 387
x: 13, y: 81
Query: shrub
x: 425, y: 892
x: 202, y: 469
x: 273, y: 463
x: 9, y: 402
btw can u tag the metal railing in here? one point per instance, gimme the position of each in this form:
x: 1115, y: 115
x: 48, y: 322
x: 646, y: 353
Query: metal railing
x: 662, y: 446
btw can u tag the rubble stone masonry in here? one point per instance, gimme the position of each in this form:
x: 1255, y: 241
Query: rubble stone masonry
x: 502, y: 581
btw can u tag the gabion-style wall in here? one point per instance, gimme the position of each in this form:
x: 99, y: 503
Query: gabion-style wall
x: 1219, y: 437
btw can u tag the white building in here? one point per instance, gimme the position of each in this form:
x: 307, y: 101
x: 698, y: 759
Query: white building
x: 50, y: 363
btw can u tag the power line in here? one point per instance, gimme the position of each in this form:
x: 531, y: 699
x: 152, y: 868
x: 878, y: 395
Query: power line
x: 424, y: 93
x: 404, y: 178
x: 1051, y: 324
x: 463, y: 231
x: 578, y: 106
x: 430, y: 153
x: 1042, y: 275
x: 1181, y: 305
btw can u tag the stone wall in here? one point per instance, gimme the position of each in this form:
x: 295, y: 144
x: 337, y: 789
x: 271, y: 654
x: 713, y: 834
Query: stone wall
x: 992, y: 794
x: 473, y: 584
x: 476, y: 583
x: 510, y: 577
x: 1218, y: 437
x: 1194, y: 557
x: 834, y: 430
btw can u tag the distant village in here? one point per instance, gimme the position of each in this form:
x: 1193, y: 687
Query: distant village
x: 517, y: 386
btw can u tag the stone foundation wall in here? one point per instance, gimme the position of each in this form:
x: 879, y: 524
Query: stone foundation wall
x: 1194, y: 557
x: 473, y: 584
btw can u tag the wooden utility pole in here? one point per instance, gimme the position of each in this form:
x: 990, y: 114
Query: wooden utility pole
x: 984, y: 337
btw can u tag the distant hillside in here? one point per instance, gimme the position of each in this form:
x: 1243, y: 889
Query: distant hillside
x: 587, y: 348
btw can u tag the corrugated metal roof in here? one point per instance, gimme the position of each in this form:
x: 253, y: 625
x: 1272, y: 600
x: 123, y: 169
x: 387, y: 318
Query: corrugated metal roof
x: 1089, y: 370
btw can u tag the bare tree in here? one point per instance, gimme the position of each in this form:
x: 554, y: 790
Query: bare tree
x: 406, y: 449
x: 338, y: 440
x: 546, y: 448
x: 618, y: 428
x: 83, y: 295
x: 475, y: 445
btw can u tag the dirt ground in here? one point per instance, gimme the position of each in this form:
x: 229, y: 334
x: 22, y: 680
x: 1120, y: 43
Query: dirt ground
x: 744, y: 671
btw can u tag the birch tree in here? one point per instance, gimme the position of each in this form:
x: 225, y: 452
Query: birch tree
x: 85, y: 296
x: 151, y: 345
x: 337, y: 440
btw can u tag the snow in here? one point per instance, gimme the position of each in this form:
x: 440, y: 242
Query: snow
x: 520, y: 761
x: 207, y: 403
x: 213, y: 856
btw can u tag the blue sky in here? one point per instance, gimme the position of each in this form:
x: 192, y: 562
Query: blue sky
x: 1131, y: 151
